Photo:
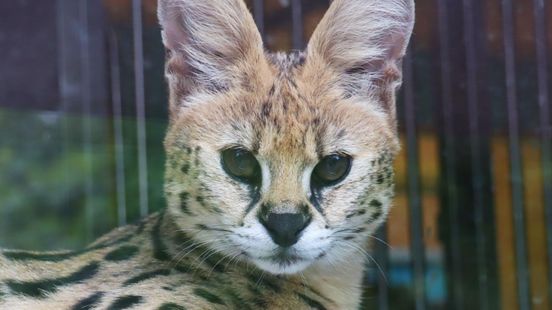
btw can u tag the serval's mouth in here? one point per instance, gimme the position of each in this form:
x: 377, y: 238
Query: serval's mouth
x: 283, y: 261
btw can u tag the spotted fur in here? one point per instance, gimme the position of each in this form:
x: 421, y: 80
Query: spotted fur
x: 207, y: 249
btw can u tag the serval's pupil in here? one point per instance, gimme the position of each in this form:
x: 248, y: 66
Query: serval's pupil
x: 331, y: 169
x: 279, y: 167
x: 241, y: 164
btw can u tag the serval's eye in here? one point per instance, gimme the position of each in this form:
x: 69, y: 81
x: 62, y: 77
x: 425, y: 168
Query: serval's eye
x: 331, y: 170
x: 241, y: 164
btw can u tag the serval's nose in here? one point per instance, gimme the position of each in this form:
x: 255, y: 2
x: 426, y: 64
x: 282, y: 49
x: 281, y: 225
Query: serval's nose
x: 285, y: 228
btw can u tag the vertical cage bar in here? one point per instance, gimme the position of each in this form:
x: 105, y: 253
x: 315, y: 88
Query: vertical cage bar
x: 87, y: 117
x: 413, y: 186
x: 140, y: 104
x: 382, y: 256
x: 515, y: 157
x: 475, y: 152
x: 258, y: 15
x: 116, y: 101
x: 297, y: 24
x: 69, y: 62
x: 449, y: 154
x: 545, y: 125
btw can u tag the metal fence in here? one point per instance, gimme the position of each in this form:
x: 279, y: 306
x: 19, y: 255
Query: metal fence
x: 472, y: 225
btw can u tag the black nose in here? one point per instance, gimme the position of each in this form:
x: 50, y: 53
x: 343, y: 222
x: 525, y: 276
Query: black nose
x: 285, y: 228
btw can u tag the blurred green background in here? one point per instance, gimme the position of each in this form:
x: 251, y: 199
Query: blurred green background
x: 57, y: 192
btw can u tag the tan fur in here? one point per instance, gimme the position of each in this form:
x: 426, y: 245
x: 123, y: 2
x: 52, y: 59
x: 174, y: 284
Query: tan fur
x: 289, y: 110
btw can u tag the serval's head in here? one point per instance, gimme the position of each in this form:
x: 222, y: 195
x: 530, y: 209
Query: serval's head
x: 284, y: 160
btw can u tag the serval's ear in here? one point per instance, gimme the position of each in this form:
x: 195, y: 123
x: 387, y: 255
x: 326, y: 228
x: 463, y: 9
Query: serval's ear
x: 363, y: 42
x: 210, y: 43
